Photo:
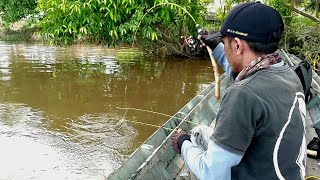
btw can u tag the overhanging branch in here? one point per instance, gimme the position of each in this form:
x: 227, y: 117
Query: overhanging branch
x: 302, y: 13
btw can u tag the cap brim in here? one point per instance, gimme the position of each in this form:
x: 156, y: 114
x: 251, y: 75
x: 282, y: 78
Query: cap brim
x: 215, y: 35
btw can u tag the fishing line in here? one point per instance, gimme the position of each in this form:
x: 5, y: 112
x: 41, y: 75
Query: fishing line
x: 156, y: 113
x: 148, y: 111
x: 137, y: 122
x: 153, y: 125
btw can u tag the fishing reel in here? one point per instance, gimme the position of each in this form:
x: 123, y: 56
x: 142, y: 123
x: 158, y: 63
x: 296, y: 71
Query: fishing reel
x: 193, y: 46
x: 189, y: 41
x: 200, y: 30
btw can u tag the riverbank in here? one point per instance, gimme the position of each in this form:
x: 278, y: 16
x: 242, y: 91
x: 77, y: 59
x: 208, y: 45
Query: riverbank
x: 20, y: 35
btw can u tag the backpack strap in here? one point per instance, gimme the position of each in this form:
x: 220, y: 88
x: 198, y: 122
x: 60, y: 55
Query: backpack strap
x: 307, y: 75
x: 304, y: 72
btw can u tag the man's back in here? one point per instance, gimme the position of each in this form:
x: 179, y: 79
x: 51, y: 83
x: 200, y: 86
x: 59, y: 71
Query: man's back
x: 267, y: 125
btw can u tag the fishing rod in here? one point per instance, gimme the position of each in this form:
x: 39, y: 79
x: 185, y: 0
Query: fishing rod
x: 214, y: 65
x: 191, y: 44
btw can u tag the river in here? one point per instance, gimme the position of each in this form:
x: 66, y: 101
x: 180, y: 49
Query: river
x: 61, y: 108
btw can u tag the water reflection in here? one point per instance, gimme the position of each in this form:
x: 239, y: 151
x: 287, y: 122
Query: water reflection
x: 58, y: 106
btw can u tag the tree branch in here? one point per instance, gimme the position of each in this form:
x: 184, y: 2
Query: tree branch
x: 168, y: 37
x: 317, y: 8
x: 291, y: 7
x: 173, y: 48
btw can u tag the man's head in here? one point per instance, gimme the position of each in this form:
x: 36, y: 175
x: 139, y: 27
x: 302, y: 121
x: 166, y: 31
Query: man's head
x: 249, y: 31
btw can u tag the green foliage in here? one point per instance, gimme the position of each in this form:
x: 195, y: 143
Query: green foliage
x: 279, y: 6
x: 113, y: 21
x: 302, y: 37
x: 222, y: 12
x: 14, y: 10
x: 311, y: 5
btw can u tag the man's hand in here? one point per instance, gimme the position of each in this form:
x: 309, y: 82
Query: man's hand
x: 209, y: 41
x: 178, y: 138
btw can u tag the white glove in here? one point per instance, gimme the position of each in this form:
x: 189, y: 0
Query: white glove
x: 200, y: 136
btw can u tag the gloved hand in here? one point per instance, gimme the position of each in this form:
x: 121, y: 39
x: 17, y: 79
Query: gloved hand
x: 200, y: 136
x: 209, y: 40
x: 178, y: 138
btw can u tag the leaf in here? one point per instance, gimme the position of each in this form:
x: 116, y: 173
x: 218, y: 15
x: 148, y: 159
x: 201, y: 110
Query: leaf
x: 115, y: 33
x: 63, y: 7
x: 111, y: 15
x: 152, y: 36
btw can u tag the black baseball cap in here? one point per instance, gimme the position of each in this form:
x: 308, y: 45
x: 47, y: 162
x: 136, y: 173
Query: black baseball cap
x: 254, y: 22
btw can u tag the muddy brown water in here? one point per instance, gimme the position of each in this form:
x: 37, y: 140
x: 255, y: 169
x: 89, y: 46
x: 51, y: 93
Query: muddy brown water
x: 59, y: 107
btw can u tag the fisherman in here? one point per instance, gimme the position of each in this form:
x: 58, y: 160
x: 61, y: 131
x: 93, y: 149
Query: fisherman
x: 260, y: 127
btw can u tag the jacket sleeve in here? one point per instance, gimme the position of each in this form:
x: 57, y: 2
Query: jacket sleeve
x: 237, y: 119
x: 220, y: 56
x: 215, y: 163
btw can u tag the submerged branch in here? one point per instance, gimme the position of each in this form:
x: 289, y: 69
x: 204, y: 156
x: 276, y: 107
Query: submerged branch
x: 172, y: 47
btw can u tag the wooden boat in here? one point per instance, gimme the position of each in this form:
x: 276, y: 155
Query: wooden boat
x: 156, y: 159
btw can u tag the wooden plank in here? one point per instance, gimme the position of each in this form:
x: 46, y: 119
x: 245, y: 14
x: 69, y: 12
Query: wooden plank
x: 313, y: 168
x: 176, y: 164
x: 186, y: 174
x: 121, y: 172
x: 160, y: 166
x: 315, y: 115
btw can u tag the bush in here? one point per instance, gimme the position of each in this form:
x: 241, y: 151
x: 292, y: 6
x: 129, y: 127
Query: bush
x: 302, y: 37
x: 117, y: 21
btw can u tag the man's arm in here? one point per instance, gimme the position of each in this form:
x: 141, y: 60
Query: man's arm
x: 234, y: 129
x: 214, y: 163
x: 220, y: 56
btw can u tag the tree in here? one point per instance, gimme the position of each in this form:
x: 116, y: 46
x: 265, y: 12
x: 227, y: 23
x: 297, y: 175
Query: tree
x: 302, y: 33
x: 14, y: 10
x: 120, y: 21
x: 311, y: 5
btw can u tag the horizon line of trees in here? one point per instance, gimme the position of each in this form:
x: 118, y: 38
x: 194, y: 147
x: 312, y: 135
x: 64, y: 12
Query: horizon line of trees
x: 155, y: 26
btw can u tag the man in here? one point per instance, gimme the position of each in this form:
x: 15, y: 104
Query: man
x: 259, y: 131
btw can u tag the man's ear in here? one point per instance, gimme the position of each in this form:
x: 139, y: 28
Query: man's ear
x: 238, y: 46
